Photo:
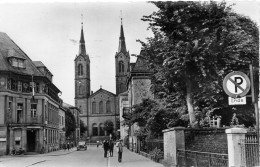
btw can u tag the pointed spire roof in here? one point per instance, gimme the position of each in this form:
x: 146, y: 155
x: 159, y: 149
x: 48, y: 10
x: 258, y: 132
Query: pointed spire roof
x: 82, y: 49
x: 82, y: 34
x: 122, y: 45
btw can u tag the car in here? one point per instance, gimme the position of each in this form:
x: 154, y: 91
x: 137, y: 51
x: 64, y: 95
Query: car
x: 82, y: 146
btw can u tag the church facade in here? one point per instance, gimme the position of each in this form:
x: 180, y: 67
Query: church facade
x: 100, y: 106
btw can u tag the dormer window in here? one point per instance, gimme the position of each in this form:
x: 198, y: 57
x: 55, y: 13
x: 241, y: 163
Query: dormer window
x: 16, y: 62
x: 15, y: 59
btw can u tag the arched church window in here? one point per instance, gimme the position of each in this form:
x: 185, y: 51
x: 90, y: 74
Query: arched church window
x: 101, y: 107
x: 80, y: 90
x: 108, y: 107
x: 121, y: 66
x: 93, y: 107
x: 80, y: 69
x: 94, y: 130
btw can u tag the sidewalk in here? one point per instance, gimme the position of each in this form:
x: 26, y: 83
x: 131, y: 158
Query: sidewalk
x: 131, y: 159
x: 53, y: 153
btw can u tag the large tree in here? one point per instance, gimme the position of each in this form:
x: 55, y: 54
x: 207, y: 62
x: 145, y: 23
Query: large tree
x: 109, y: 126
x: 195, y: 45
x: 83, y: 128
x: 70, y: 123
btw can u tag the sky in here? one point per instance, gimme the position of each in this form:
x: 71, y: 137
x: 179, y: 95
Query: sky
x: 48, y: 32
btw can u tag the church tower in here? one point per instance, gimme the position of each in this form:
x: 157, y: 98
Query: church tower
x: 82, y: 77
x: 122, y: 62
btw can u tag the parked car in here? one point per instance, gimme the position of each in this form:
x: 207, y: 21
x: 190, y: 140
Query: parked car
x: 82, y: 146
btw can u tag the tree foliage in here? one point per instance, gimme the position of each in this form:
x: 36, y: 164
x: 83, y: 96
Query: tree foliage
x: 109, y: 126
x: 195, y: 45
x: 70, y: 123
x: 83, y: 128
x: 152, y: 117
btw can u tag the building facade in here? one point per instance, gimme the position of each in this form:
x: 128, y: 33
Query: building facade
x: 139, y: 85
x: 75, y: 136
x: 29, y: 102
x: 62, y: 132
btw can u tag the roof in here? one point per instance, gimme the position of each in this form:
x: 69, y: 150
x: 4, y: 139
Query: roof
x: 8, y: 48
x: 66, y: 105
x: 102, y: 91
x: 141, y: 65
x: 38, y: 64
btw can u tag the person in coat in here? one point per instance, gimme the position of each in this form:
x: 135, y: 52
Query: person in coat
x: 111, y: 148
x: 119, y: 146
x: 106, y: 148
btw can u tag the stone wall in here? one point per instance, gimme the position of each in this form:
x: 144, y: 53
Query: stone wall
x: 206, y: 140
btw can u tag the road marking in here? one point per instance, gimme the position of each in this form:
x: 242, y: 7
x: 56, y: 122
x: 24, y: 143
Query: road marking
x: 108, y: 162
x: 36, y: 163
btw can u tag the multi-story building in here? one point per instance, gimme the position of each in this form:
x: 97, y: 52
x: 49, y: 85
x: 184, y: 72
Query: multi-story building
x: 75, y: 137
x: 29, y: 102
x: 62, y: 132
x: 139, y: 85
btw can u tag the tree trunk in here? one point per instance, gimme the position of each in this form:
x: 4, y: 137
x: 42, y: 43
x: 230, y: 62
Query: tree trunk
x: 189, y: 100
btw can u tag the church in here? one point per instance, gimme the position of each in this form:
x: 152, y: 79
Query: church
x: 100, y: 106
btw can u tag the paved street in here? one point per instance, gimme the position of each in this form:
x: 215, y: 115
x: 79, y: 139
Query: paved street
x: 93, y: 157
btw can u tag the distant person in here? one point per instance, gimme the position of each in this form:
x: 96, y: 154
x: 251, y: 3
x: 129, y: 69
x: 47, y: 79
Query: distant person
x: 68, y: 146
x: 106, y: 148
x: 119, y: 146
x: 111, y: 148
x: 97, y: 143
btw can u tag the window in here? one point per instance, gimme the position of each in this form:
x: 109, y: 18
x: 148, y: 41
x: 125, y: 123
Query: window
x: 19, y: 86
x: 101, y: 130
x: 80, y: 90
x: 20, y: 63
x: 93, y: 107
x: 15, y: 62
x: 108, y: 107
x: 121, y: 66
x: 94, y: 130
x: 33, y: 110
x: 80, y: 70
x: 19, y: 112
x: 101, y: 107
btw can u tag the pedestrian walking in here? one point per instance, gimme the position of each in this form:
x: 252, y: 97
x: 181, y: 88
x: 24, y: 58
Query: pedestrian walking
x: 111, y: 148
x: 106, y: 148
x: 97, y: 144
x: 68, y: 146
x: 119, y: 146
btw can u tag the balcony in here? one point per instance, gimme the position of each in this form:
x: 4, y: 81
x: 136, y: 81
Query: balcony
x: 34, y: 120
x: 29, y: 120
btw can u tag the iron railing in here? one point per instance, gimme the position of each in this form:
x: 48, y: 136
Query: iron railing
x: 149, y: 145
x: 249, y: 151
x: 187, y: 158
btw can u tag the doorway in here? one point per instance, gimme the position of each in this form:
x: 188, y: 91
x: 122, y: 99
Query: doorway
x: 31, y: 140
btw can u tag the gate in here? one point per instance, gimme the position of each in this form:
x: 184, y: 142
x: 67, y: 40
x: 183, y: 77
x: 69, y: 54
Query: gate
x: 250, y: 151
x: 206, y: 159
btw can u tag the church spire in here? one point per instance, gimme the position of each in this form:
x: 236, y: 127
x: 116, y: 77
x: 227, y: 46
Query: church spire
x: 122, y: 46
x: 82, y: 49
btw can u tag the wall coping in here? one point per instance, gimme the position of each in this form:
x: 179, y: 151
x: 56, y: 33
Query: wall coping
x: 174, y: 129
x: 236, y: 131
